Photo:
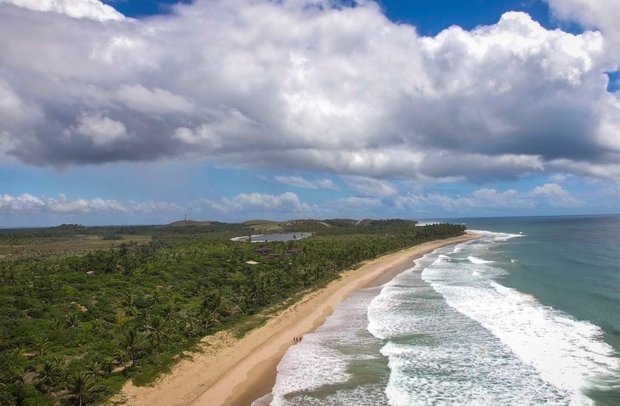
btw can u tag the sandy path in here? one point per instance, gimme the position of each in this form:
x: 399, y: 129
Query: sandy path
x: 236, y: 372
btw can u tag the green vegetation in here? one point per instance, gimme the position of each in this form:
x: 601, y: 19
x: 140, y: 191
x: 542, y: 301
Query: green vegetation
x: 84, y: 309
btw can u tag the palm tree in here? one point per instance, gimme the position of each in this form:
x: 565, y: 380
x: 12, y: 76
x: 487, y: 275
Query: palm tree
x: 129, y: 303
x: 132, y: 341
x: 120, y: 356
x: 81, y: 387
x: 40, y: 344
x: 49, y: 375
x: 211, y: 307
x: 12, y: 366
x: 95, y: 368
x: 98, y: 326
x: 108, y: 364
x: 157, y: 331
x: 73, y: 320
x: 167, y: 312
x: 144, y: 316
x: 192, y: 326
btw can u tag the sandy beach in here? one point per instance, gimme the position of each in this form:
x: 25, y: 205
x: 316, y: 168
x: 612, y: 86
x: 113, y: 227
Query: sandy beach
x: 238, y: 371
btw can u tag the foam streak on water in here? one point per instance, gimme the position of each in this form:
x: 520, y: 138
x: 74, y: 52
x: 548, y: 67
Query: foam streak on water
x: 439, y: 356
x: 339, y: 364
x: 568, y: 354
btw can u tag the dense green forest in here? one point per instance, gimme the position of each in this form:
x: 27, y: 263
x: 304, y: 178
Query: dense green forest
x: 83, y: 309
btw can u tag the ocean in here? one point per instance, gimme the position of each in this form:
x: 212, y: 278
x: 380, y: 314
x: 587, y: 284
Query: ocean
x: 529, y: 314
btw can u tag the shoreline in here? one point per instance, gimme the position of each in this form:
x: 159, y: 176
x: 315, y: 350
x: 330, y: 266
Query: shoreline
x: 238, y: 371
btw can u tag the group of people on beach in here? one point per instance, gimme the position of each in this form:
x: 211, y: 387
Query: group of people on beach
x: 297, y: 339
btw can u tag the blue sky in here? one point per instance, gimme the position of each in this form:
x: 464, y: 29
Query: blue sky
x: 140, y: 112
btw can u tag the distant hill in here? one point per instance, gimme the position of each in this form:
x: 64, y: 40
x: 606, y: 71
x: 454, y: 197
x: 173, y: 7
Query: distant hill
x: 351, y: 222
x: 264, y: 226
x: 261, y: 226
x: 68, y: 227
x: 343, y: 224
x: 186, y: 223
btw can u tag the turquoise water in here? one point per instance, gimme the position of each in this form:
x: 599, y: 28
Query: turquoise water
x: 528, y: 314
x: 569, y: 263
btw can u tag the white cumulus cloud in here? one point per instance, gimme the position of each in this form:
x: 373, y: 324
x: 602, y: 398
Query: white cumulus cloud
x: 27, y: 202
x: 371, y: 187
x: 309, y: 86
x: 287, y: 203
x: 555, y: 195
x: 92, y: 9
x: 539, y: 197
x: 154, y: 100
x: 99, y: 129
x: 597, y: 14
x: 302, y: 182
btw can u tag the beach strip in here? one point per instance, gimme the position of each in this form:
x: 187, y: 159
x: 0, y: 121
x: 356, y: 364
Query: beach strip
x: 238, y: 371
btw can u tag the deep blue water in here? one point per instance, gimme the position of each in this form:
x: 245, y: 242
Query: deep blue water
x: 527, y: 314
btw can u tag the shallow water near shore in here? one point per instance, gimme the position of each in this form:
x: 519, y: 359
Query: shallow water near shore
x: 527, y: 314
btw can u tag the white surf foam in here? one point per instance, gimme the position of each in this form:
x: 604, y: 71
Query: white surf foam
x: 389, y: 313
x: 478, y: 261
x: 436, y: 355
x: 307, y: 366
x: 322, y: 359
x: 474, y: 372
x: 567, y: 353
x: 497, y: 237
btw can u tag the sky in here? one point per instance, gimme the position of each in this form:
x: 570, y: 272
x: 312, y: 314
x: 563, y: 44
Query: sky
x: 144, y: 112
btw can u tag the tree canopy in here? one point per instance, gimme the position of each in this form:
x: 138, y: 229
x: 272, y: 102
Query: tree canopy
x: 76, y: 323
